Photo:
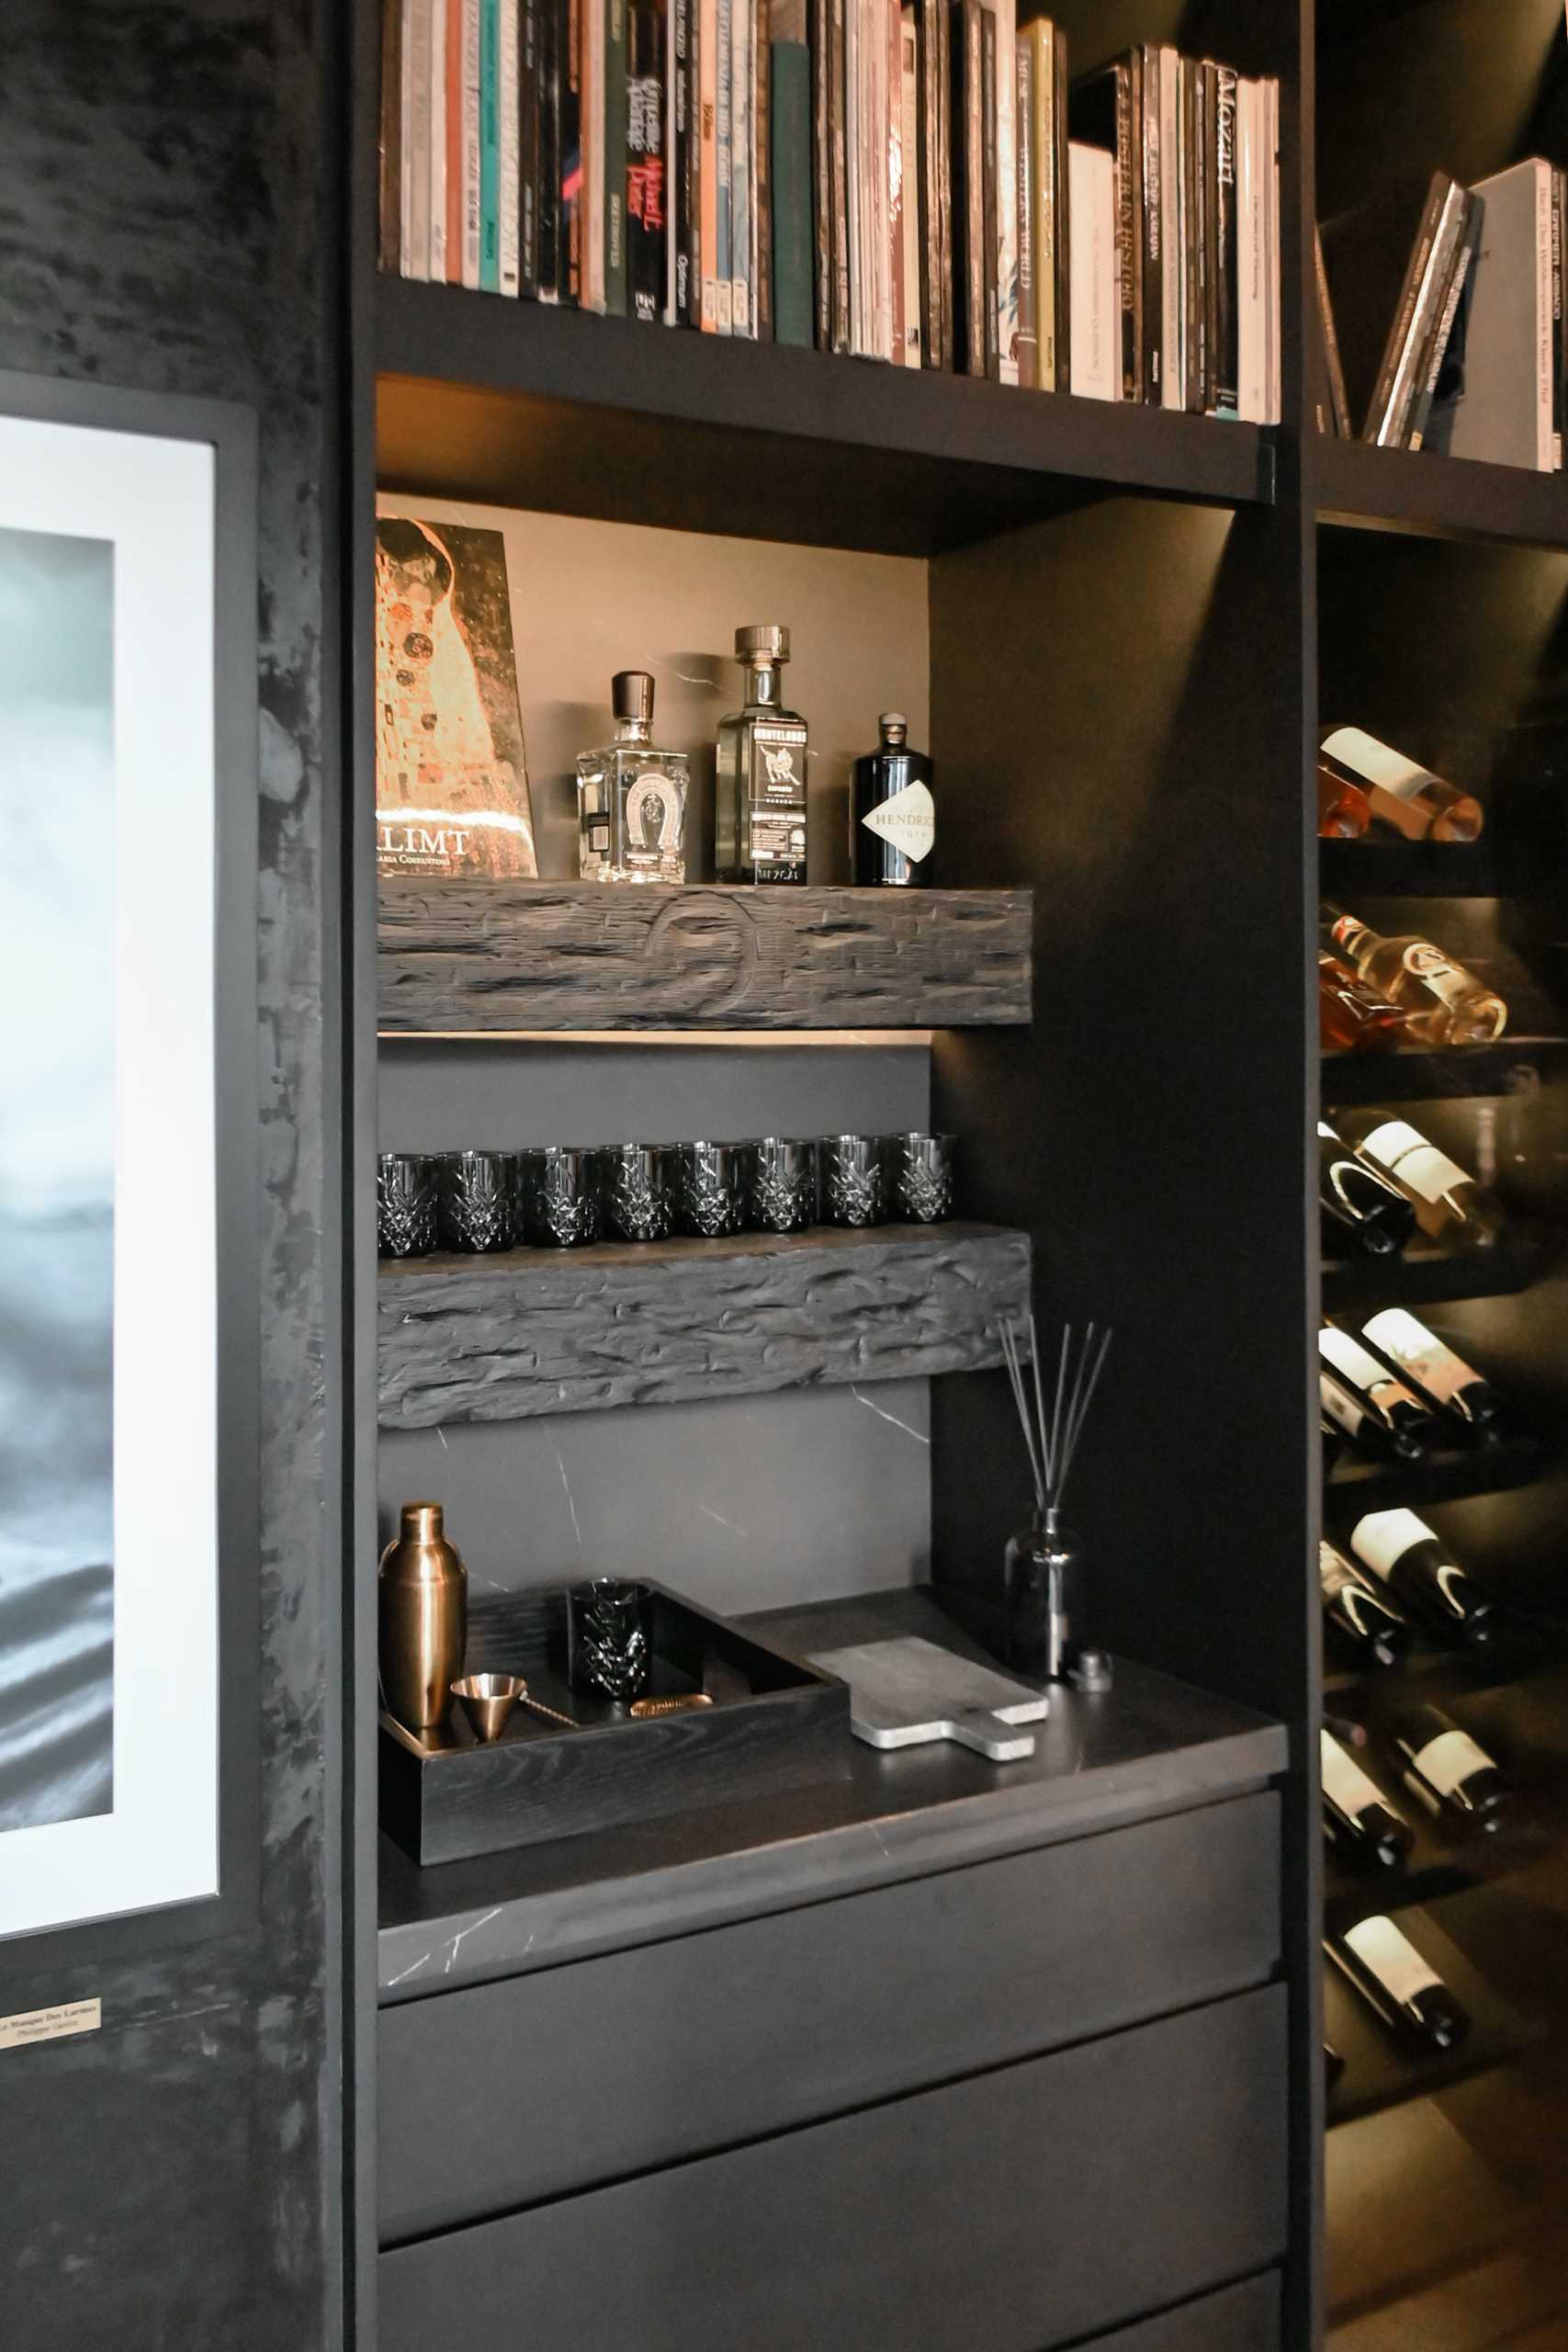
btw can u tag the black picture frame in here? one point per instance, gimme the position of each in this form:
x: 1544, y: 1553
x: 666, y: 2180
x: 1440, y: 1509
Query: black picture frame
x: 231, y: 430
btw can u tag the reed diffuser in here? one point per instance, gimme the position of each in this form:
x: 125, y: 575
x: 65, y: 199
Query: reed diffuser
x: 1044, y: 1561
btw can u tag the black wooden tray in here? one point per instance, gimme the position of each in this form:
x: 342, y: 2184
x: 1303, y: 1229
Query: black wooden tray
x: 779, y: 1726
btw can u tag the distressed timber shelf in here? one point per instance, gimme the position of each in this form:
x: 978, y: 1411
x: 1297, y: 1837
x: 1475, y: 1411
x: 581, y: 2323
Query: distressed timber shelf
x: 509, y: 956
x: 530, y: 1332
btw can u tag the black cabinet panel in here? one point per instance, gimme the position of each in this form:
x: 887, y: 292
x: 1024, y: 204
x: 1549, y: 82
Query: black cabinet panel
x: 1243, y: 2318
x: 1023, y: 2209
x: 611, y: 2065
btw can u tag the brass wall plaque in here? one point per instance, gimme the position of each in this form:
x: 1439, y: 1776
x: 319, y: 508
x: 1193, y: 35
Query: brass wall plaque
x: 50, y: 2025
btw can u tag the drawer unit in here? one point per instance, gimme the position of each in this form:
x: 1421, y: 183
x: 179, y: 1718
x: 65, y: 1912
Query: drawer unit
x: 606, y: 2067
x: 1243, y: 2318
x: 1024, y: 2209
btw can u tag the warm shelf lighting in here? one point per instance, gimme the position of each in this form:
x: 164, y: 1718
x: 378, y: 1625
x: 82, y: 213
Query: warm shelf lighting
x: 885, y: 1038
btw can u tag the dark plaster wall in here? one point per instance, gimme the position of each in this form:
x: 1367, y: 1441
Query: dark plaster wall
x: 168, y: 222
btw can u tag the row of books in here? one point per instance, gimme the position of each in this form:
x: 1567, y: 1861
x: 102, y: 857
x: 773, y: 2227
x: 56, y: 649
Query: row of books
x: 1474, y: 362
x: 907, y: 180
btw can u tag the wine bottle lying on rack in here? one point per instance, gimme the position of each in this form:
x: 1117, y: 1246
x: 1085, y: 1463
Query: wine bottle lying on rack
x: 1401, y: 1986
x: 1443, y: 1003
x: 1421, y: 1572
x: 1364, y: 1210
x: 1440, y: 1377
x: 1364, y: 1621
x: 1351, y: 1017
x: 1449, y: 1773
x: 1366, y: 1400
x: 1450, y: 1206
x: 1344, y: 812
x: 1407, y: 799
x: 1355, y: 1809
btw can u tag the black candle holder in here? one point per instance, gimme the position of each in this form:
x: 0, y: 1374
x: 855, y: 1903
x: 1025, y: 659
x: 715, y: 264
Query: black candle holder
x: 640, y: 1184
x: 854, y: 1180
x: 920, y: 1172
x: 607, y: 1647
x: 781, y: 1185
x: 478, y: 1199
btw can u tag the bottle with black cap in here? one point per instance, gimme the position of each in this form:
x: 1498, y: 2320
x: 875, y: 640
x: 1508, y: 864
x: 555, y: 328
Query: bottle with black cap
x: 1363, y: 1620
x: 1355, y: 1809
x: 1398, y: 1982
x: 1363, y: 1211
x: 892, y: 811
x: 1449, y: 1773
x: 1420, y: 1571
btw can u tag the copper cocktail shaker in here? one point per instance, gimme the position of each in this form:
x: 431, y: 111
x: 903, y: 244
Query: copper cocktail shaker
x: 424, y: 1608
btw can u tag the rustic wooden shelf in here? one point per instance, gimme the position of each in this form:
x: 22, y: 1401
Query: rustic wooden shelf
x: 529, y: 1332
x: 504, y: 957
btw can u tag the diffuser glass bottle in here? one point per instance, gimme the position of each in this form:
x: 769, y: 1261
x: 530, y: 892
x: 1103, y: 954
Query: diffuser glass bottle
x: 1043, y: 1567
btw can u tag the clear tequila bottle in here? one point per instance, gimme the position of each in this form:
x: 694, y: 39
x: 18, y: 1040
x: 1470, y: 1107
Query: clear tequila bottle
x: 631, y: 796
x: 760, y: 799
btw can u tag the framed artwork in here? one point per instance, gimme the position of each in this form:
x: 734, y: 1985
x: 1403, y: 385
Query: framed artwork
x: 451, y: 772
x: 128, y: 1108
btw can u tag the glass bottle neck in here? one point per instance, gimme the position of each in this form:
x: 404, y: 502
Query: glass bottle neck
x: 764, y: 686
x: 633, y: 730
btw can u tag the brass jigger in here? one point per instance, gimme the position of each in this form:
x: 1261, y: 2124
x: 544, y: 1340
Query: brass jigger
x: 487, y: 1700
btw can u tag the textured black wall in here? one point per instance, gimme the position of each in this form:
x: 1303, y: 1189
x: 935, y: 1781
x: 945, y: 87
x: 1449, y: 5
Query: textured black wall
x: 168, y: 222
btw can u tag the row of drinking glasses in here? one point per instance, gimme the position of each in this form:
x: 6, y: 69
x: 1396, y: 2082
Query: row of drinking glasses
x: 564, y: 1194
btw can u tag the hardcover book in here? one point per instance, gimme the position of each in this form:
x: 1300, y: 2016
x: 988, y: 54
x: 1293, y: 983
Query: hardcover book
x: 1504, y: 413
x: 1097, y: 311
x: 1105, y: 109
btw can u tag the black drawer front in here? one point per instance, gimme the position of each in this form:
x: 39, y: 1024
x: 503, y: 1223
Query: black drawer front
x: 1020, y: 2209
x: 603, y: 2068
x: 1244, y: 2318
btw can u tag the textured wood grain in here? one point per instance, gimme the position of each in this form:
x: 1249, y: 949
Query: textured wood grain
x: 539, y: 1331
x: 507, y: 956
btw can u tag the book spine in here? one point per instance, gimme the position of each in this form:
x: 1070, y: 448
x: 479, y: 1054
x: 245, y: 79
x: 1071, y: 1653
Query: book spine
x: 740, y: 166
x: 973, y: 237
x: 1151, y: 288
x: 790, y: 114
x: 1209, y: 130
x: 389, y: 250
x: 855, y: 160
x: 683, y: 164
x: 1227, y: 353
x: 438, y: 139
x: 1129, y: 230
x: 1189, y: 80
x: 1028, y: 307
x: 1036, y: 39
x: 723, y: 168
x: 893, y: 17
x: 989, y: 205
x: 707, y: 159
x: 548, y: 179
x: 1559, y: 390
x: 473, y: 171
x: 837, y: 119
x: 1376, y: 427
x: 646, y: 271
x: 1061, y: 190
x: 1437, y: 350
x: 615, y: 153
x: 1004, y: 17
x: 1545, y: 335
x: 571, y: 151
x: 416, y: 247
x: 1274, y: 408
x: 929, y: 52
x: 762, y: 146
x: 528, y: 77
x: 671, y: 160
x: 509, y: 154
x: 1425, y: 318
x: 1252, y: 400
x: 909, y: 101
x: 818, y: 49
x: 591, y: 129
x: 452, y: 100
x: 1172, y: 354
x: 490, y: 146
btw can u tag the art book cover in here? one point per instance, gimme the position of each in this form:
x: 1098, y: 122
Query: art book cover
x: 451, y: 774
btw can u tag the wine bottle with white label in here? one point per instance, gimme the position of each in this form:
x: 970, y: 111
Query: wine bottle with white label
x: 1355, y: 1809
x: 1364, y: 1210
x: 1448, y: 1203
x: 1401, y: 795
x: 1419, y: 1570
x: 1443, y: 1004
x: 1363, y: 1620
x: 1398, y: 1983
x: 891, y: 810
x: 1440, y: 1377
x: 1366, y: 1400
x: 1449, y: 1773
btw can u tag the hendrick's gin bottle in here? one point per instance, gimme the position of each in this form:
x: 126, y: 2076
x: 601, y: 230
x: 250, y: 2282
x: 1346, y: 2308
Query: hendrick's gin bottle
x: 892, y: 813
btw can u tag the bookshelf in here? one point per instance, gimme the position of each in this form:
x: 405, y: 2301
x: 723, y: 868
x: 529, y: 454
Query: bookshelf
x: 1125, y: 611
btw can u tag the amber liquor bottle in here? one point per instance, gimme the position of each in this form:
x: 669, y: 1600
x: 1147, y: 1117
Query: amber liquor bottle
x: 1351, y: 1017
x: 1443, y: 1004
x: 1400, y: 793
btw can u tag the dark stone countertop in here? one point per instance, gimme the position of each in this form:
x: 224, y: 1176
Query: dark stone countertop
x: 1149, y: 1745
